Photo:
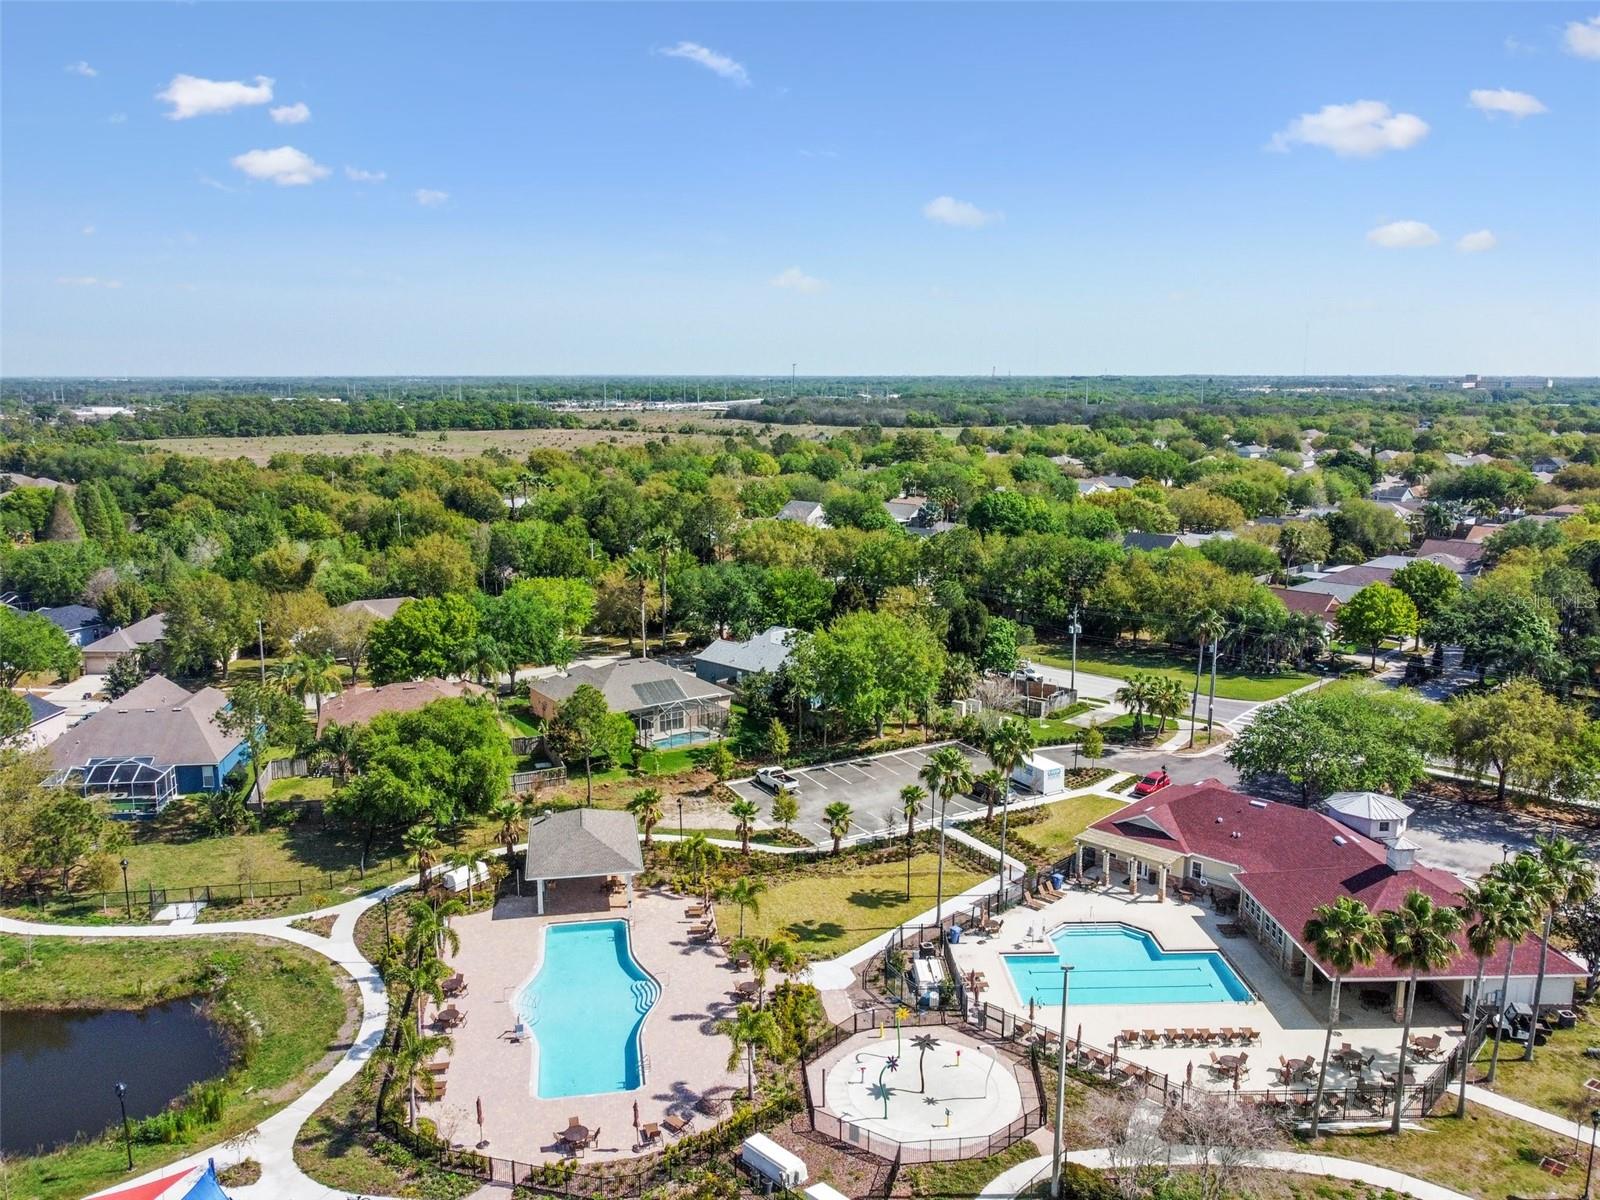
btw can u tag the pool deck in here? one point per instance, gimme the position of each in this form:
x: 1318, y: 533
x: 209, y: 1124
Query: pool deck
x: 684, y: 1057
x: 1292, y: 1025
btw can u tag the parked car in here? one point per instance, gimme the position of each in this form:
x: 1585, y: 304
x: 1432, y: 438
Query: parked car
x: 1153, y: 783
x: 1028, y: 673
x: 775, y: 779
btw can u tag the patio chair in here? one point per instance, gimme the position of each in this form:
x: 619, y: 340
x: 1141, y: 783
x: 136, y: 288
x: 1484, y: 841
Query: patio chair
x: 1128, y: 1037
x: 1251, y: 1036
x: 1147, y: 1037
x: 1171, y: 1036
x: 649, y: 1132
x: 1032, y: 902
x: 677, y: 1125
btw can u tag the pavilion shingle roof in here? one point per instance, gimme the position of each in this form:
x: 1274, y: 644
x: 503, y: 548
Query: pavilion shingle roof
x: 582, y: 842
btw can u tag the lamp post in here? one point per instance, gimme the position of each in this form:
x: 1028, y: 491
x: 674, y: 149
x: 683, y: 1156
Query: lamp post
x: 127, y: 896
x: 680, y: 818
x: 261, y: 646
x: 1061, y: 1089
x: 1075, y: 629
x: 127, y: 1131
x: 1588, y: 1175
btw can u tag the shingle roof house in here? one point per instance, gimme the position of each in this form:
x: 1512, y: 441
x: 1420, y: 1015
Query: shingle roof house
x: 582, y: 843
x: 360, y: 705
x: 725, y: 661
x: 806, y: 512
x: 98, y: 656
x: 382, y: 608
x: 164, y: 726
x: 662, y: 701
x: 79, y: 622
x: 1283, y: 862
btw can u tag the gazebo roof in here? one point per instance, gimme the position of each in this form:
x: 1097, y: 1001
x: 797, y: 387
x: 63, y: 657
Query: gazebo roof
x: 583, y: 842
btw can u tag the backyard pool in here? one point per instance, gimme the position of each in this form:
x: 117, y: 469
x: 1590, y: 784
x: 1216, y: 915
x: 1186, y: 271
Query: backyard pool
x: 585, y: 1008
x: 684, y: 737
x: 1118, y: 964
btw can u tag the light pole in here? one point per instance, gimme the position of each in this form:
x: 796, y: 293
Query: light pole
x: 1061, y: 1089
x: 1075, y: 629
x: 1588, y: 1175
x: 261, y: 648
x: 680, y: 818
x: 127, y: 896
x: 938, y: 901
x: 127, y: 1131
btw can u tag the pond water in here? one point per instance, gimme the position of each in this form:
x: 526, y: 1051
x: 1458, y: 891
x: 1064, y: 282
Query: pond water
x: 58, y: 1070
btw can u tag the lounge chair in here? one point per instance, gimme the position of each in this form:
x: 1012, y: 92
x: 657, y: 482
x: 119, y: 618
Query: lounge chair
x: 649, y: 1132
x: 1032, y: 902
x: 677, y: 1125
x: 1171, y: 1036
x: 1147, y: 1037
x: 1128, y: 1037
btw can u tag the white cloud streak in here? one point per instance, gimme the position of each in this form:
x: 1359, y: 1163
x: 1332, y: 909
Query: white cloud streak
x: 290, y: 114
x: 1357, y: 130
x: 88, y: 281
x: 357, y: 175
x: 81, y: 68
x: 795, y: 280
x: 1403, y: 235
x: 285, y: 166
x: 1504, y: 100
x: 711, y: 60
x: 429, y: 198
x: 191, y: 96
x: 1477, y: 243
x: 1582, y: 38
x: 947, y: 210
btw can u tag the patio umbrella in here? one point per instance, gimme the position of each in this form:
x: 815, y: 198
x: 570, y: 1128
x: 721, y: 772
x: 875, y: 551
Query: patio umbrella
x: 636, y: 1114
x: 1188, y: 1075
x: 1030, y: 1009
x: 482, y: 1141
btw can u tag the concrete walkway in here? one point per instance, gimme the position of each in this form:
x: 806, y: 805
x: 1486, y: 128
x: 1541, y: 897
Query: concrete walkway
x: 1576, y: 1130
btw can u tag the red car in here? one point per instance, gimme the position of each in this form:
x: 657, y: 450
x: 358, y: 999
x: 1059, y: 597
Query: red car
x: 1152, y: 783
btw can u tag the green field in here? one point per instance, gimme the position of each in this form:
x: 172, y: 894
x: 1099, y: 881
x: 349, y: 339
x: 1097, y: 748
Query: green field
x: 1119, y: 663
x: 290, y: 993
x: 829, y: 913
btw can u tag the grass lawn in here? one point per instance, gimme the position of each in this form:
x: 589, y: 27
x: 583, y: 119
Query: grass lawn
x: 289, y: 992
x: 1119, y: 663
x: 1059, y: 724
x: 832, y: 912
x: 1066, y: 819
x: 1485, y: 1155
x: 306, y: 787
x: 1554, y: 1079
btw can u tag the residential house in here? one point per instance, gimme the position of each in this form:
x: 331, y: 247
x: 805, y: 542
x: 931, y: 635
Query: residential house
x: 726, y: 661
x: 1096, y: 484
x: 1310, y: 604
x: 1165, y: 541
x: 156, y: 742
x: 382, y: 608
x: 1277, y: 863
x: 669, y: 707
x: 907, y: 510
x: 1392, y: 491
x: 99, y: 655
x: 804, y: 512
x: 359, y: 705
x: 1461, y: 548
x: 79, y: 622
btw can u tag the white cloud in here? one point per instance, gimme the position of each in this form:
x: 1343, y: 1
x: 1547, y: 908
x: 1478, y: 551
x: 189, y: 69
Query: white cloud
x: 191, y: 96
x: 947, y: 210
x: 88, y: 231
x: 1361, y: 129
x: 290, y: 114
x: 1477, y: 243
x: 1583, y: 38
x: 1403, y: 235
x: 285, y: 166
x: 1504, y: 100
x: 357, y: 175
x: 88, y: 281
x: 118, y: 118
x: 796, y: 280
x: 708, y: 58
x: 429, y: 198
x: 81, y: 68
x: 1515, y: 45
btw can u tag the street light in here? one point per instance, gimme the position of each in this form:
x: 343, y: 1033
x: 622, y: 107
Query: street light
x: 680, y: 818
x: 1588, y: 1175
x: 127, y: 1131
x: 127, y: 896
x: 1075, y: 629
x: 1061, y: 1088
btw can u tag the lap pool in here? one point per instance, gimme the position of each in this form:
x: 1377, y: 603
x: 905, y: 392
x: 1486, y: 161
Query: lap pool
x: 1118, y: 964
x: 586, y: 1007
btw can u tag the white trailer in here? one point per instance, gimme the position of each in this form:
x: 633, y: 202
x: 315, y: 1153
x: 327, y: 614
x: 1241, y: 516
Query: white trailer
x: 1039, y: 775
x: 772, y: 1162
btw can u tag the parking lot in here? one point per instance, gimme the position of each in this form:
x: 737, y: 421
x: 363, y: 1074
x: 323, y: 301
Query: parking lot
x: 870, y: 786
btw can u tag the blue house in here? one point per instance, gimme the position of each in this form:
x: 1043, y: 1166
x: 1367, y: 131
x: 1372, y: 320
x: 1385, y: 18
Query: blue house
x: 79, y: 622
x: 156, y: 742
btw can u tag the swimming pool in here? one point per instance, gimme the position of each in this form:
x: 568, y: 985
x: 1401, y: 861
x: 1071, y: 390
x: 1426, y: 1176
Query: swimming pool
x: 687, y: 737
x: 586, y: 1007
x: 1118, y: 964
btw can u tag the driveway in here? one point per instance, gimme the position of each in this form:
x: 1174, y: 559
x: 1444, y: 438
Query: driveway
x: 869, y: 785
x: 1468, y: 839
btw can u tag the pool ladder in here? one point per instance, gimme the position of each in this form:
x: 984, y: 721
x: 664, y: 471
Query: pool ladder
x: 645, y: 993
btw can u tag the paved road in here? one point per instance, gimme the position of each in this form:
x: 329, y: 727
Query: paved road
x: 1232, y: 713
x: 1468, y: 839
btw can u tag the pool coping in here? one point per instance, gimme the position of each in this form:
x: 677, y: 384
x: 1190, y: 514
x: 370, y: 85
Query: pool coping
x: 638, y: 1031
x: 1252, y: 997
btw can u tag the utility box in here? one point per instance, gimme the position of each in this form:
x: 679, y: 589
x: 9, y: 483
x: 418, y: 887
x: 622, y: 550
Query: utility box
x: 772, y: 1162
x: 1039, y: 775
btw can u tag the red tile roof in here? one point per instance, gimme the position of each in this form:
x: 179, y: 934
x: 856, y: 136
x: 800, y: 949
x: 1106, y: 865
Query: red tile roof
x: 1459, y: 547
x: 1313, y: 604
x: 1293, y: 859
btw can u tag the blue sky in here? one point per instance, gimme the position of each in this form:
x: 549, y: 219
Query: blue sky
x: 894, y: 188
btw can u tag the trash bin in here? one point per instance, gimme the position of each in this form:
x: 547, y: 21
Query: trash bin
x: 1056, y: 880
x: 955, y: 934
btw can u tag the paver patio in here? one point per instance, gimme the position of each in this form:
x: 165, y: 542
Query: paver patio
x: 684, y: 1057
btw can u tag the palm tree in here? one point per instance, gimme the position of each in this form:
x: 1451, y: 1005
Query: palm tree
x: 992, y: 783
x: 430, y: 928
x: 1134, y: 695
x: 838, y: 814
x: 1419, y: 936
x: 486, y: 658
x: 765, y: 953
x: 641, y: 570
x: 343, y: 745
x: 409, y: 1059
x: 659, y: 542
x: 745, y: 891
x: 421, y: 841
x: 946, y: 772
x: 1208, y: 626
x: 923, y: 1042
x: 1166, y: 701
x: 1571, y: 881
x: 911, y: 798
x: 749, y: 1029
x: 1010, y: 743
x: 696, y: 856
x: 646, y: 809
x: 1342, y: 935
x: 744, y: 813
x: 309, y: 675
x: 469, y: 858
x: 1486, y: 905
x: 509, y: 813
x: 1524, y: 880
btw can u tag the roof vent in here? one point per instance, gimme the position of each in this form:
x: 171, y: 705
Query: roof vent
x: 1219, y: 820
x: 1258, y: 804
x: 1338, y: 839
